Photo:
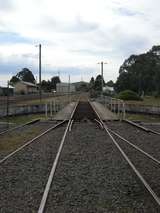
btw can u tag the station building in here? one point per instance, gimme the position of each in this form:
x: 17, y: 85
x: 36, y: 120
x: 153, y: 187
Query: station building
x: 24, y: 88
x: 65, y: 88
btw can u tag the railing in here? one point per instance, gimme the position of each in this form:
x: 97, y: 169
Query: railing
x: 54, y: 106
x: 49, y: 107
x: 114, y: 105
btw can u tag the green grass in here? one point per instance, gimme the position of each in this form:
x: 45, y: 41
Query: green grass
x: 13, y: 140
x: 21, y: 119
x: 142, y: 117
x: 147, y: 100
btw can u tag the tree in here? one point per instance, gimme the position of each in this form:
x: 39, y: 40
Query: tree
x: 54, y: 81
x: 98, y: 83
x: 91, y: 83
x: 24, y: 75
x: 110, y: 83
x: 140, y: 73
x: 14, y: 80
x: 46, y: 86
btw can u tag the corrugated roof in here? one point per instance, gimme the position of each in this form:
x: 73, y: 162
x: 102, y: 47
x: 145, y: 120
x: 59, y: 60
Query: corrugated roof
x: 28, y: 83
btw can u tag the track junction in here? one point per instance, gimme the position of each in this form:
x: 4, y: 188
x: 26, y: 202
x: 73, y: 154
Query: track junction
x: 83, y: 164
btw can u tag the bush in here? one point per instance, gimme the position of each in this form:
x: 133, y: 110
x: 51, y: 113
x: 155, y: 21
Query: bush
x: 129, y: 95
x: 94, y: 93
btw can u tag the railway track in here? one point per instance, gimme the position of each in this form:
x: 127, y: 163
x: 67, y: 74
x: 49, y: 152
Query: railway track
x: 142, y: 127
x: 52, y: 196
x: 27, y: 143
x: 24, y: 173
x: 147, y: 141
x: 77, y: 168
x: 6, y: 131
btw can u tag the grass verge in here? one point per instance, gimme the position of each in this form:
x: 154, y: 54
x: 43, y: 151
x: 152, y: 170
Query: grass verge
x: 142, y: 117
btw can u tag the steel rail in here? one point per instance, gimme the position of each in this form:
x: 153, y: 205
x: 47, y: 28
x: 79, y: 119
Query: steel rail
x: 95, y: 112
x: 54, y: 166
x: 18, y: 127
x: 30, y: 141
x: 136, y: 125
x: 70, y: 126
x: 141, y: 127
x: 145, y: 183
x: 134, y: 146
x: 135, y: 170
x: 154, y: 132
x: 101, y: 126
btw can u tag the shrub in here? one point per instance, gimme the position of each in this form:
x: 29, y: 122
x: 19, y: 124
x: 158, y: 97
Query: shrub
x: 94, y: 93
x: 129, y: 95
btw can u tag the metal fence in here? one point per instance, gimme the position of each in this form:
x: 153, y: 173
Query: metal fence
x: 114, y: 105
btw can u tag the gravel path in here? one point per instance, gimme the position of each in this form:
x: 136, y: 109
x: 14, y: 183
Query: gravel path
x: 93, y: 177
x: 23, y: 177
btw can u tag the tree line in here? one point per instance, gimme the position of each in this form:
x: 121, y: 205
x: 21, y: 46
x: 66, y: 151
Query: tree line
x: 141, y: 73
x: 47, y: 86
x: 26, y: 75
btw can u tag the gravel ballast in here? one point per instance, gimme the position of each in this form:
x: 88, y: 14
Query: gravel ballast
x: 14, y: 139
x: 153, y: 126
x: 93, y: 177
x: 146, y: 141
x: 23, y: 177
x: 149, y: 142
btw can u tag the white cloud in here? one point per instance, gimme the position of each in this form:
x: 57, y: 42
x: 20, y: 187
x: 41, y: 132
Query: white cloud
x: 77, y: 33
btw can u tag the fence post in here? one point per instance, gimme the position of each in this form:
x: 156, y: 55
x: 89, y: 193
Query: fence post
x: 46, y: 110
x: 118, y: 107
x: 111, y: 104
x: 54, y: 106
x: 124, y: 110
x: 50, y: 108
x: 114, y: 105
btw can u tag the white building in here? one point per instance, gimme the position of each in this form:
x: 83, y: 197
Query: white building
x: 109, y: 90
x: 65, y: 88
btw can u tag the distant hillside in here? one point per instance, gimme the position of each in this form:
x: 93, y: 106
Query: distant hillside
x: 81, y: 86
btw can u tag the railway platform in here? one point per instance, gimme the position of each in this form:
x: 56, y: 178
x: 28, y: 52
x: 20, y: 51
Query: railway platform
x: 65, y: 113
x: 104, y: 113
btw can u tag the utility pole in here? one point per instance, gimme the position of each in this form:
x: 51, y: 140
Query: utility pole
x: 59, y: 74
x: 102, y: 63
x: 69, y: 81
x: 7, y: 104
x: 40, y: 89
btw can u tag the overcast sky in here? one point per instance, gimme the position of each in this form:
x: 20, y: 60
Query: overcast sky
x: 75, y: 35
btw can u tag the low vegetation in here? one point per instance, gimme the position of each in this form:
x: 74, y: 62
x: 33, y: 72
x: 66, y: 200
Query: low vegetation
x: 21, y: 119
x: 143, y: 118
x: 12, y: 140
x: 129, y: 95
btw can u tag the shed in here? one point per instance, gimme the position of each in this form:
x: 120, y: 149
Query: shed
x: 23, y: 87
x: 5, y: 90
